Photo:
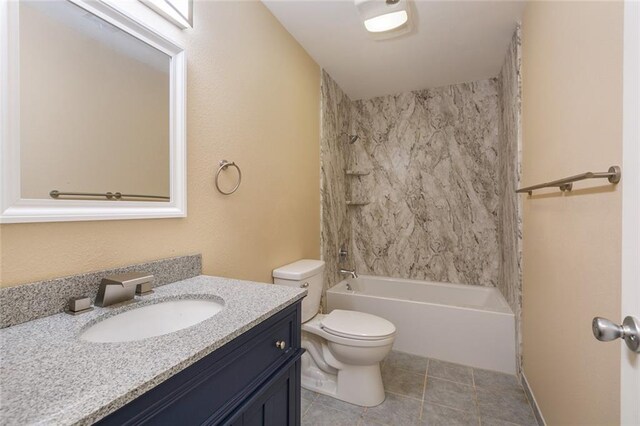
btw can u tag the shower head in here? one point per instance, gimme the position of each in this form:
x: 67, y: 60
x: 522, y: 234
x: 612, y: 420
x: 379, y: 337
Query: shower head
x: 353, y: 138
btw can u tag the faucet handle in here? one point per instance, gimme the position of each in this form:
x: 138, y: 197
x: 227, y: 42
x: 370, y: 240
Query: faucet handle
x: 144, y: 289
x: 342, y: 254
x: 79, y: 305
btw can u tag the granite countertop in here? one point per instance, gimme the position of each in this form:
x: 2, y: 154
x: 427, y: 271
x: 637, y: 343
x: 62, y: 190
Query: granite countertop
x: 49, y: 376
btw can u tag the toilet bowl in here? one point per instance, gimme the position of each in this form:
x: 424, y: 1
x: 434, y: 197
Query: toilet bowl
x: 343, y: 348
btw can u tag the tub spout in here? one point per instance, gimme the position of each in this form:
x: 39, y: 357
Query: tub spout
x: 353, y: 273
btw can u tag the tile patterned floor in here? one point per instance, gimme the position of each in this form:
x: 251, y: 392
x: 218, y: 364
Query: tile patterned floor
x: 429, y: 392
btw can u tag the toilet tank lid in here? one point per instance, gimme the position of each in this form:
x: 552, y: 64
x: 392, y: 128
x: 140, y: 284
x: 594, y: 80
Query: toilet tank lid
x: 299, y: 270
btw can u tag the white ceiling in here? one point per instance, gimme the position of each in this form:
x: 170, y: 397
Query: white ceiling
x: 451, y: 42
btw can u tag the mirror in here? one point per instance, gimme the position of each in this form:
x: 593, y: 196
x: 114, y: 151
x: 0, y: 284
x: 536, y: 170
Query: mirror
x: 96, y: 111
x: 94, y: 106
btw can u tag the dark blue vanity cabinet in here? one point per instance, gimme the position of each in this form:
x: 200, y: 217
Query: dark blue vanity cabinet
x: 254, y: 380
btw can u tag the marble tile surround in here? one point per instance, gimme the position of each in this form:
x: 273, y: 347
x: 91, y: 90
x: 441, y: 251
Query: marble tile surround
x: 336, y: 225
x: 433, y: 191
x: 509, y: 161
x: 43, y: 298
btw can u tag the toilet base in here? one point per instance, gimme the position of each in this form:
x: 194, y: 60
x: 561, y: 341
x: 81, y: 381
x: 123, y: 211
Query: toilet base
x: 357, y: 384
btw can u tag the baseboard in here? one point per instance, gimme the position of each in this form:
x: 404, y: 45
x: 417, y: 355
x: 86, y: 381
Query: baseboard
x: 532, y: 400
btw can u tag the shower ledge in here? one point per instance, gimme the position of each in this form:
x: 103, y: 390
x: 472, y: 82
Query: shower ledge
x: 356, y: 172
x: 357, y: 203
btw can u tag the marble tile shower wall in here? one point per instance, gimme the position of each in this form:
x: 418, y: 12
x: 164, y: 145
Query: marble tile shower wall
x: 443, y: 165
x: 433, y: 187
x: 509, y: 159
x: 336, y: 226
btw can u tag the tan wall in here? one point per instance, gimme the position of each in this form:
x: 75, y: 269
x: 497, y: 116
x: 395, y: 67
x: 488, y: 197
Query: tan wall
x: 572, y: 122
x: 89, y: 126
x: 253, y: 97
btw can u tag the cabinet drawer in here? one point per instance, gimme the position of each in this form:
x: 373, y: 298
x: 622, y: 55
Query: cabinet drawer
x: 214, y: 386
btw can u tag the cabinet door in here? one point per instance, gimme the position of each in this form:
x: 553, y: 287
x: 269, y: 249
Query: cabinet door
x: 280, y: 403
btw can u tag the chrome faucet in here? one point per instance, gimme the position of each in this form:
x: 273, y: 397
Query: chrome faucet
x: 348, y: 272
x: 123, y: 287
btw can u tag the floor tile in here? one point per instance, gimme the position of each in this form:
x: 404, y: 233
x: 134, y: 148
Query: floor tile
x: 413, y: 363
x: 487, y: 421
x: 395, y: 410
x: 492, y: 380
x: 438, y: 415
x: 449, y: 371
x: 403, y: 382
x: 450, y: 394
x: 321, y: 415
x: 450, y: 398
x: 308, y: 395
x: 304, y: 406
x: 508, y: 405
x: 337, y: 404
x: 369, y: 422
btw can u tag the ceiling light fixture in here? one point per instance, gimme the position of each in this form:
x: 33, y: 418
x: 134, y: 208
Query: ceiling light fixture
x: 382, y: 16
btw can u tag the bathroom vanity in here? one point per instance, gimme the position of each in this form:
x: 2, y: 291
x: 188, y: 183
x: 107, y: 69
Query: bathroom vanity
x: 252, y: 380
x: 239, y: 367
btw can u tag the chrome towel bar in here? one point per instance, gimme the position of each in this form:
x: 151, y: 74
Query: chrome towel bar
x: 613, y: 175
x: 108, y: 195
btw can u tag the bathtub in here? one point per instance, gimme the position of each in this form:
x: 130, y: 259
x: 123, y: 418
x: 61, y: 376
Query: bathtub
x: 465, y: 324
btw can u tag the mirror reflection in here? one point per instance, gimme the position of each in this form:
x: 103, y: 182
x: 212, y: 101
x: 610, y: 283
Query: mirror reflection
x: 94, y: 108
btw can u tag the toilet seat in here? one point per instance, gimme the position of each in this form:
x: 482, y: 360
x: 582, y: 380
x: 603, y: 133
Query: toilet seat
x: 314, y: 326
x: 357, y: 325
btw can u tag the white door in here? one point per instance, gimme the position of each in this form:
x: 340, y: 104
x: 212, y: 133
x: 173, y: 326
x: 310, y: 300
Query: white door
x: 630, y: 362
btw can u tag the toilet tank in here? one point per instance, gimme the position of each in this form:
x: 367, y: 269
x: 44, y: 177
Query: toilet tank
x: 305, y: 273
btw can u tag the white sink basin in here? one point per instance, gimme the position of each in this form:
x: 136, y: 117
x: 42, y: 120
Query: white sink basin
x: 152, y: 320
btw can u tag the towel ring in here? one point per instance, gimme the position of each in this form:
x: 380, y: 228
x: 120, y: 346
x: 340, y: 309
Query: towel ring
x: 223, y: 166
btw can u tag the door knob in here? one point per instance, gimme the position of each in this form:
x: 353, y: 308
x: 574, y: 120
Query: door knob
x: 281, y: 344
x: 605, y: 331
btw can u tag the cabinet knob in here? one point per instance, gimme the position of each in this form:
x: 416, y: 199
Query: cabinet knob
x: 281, y: 344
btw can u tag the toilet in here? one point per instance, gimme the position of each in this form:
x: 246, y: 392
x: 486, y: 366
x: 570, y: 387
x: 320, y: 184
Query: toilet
x: 343, y: 348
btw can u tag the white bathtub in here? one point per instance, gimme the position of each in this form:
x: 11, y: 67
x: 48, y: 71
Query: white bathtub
x: 465, y: 324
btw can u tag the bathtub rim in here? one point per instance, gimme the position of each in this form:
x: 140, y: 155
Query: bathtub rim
x: 340, y: 288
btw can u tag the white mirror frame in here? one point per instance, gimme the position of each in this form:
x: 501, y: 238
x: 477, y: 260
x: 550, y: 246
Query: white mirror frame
x: 13, y: 208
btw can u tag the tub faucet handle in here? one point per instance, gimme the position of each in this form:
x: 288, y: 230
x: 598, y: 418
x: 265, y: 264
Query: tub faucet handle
x: 342, y: 254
